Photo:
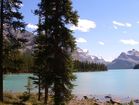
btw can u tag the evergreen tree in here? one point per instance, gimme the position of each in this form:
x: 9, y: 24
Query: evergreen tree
x: 88, y: 66
x: 136, y: 66
x: 1, y: 51
x: 11, y: 18
x: 55, y: 16
x: 39, y: 65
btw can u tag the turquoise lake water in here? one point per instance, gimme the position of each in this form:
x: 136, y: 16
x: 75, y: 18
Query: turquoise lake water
x: 115, y: 82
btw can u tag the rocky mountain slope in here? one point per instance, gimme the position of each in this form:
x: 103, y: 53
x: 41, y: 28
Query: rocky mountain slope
x: 81, y: 55
x: 126, y: 60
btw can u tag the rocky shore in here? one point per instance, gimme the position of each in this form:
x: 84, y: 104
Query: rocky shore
x: 103, y: 100
x: 21, y: 99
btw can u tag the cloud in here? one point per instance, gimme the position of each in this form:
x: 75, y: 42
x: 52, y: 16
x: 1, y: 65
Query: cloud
x: 81, y: 40
x: 138, y: 22
x: 101, y: 43
x: 120, y: 24
x: 84, y: 25
x: 31, y: 26
x: 115, y: 27
x: 124, y: 32
x: 128, y: 25
x: 129, y: 42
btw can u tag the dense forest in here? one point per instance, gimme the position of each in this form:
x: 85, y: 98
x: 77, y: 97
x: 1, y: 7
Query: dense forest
x: 23, y: 63
x: 18, y: 63
x: 136, y: 66
x: 87, y: 66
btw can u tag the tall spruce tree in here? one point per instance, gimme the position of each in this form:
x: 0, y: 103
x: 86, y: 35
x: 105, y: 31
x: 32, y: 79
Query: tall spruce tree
x: 40, y: 65
x: 1, y: 50
x: 11, y: 18
x: 56, y: 15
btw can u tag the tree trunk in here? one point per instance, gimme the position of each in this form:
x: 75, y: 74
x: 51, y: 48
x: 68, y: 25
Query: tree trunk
x: 46, y: 95
x: 39, y: 90
x: 57, y: 96
x: 1, y: 52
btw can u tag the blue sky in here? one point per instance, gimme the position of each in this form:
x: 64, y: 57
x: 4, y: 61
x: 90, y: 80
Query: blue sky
x: 106, y: 27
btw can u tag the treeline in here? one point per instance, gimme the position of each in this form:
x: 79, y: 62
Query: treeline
x: 136, y: 66
x: 87, y: 66
x: 18, y: 62
x: 23, y: 63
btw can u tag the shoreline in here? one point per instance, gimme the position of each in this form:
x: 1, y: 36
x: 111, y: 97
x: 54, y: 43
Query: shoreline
x: 105, y: 99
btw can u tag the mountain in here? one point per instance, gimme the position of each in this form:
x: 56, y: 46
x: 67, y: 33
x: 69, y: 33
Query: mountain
x: 125, y: 60
x: 28, y: 36
x: 81, y: 55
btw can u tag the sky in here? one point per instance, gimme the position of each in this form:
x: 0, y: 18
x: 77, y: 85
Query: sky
x: 105, y: 27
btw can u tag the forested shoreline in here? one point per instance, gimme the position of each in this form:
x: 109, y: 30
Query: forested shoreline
x: 25, y: 65
x: 88, y: 66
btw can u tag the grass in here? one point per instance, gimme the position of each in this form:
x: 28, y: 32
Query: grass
x: 11, y: 98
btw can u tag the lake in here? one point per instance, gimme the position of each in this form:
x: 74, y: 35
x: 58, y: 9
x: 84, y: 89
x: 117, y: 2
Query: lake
x: 115, y: 82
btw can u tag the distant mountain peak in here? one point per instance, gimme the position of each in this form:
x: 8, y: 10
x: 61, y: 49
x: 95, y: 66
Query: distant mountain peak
x: 133, y: 52
x: 126, y: 60
x: 83, y: 55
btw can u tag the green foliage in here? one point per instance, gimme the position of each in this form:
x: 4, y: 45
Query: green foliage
x: 87, y: 66
x: 55, y: 48
x: 27, y: 62
x: 12, y: 16
x: 11, y: 20
x: 131, y: 103
x: 17, y: 62
x: 39, y: 64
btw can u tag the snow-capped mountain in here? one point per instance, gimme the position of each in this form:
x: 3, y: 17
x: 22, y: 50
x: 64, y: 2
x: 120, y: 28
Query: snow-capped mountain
x: 81, y: 55
x: 126, y: 60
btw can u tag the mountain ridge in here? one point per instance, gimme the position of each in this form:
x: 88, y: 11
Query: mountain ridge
x: 81, y: 55
x: 126, y: 60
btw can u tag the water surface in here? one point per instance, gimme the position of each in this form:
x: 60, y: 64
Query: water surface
x: 115, y: 82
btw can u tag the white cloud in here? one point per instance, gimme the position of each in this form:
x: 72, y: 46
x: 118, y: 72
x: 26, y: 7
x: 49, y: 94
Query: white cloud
x: 120, y: 24
x: 115, y: 27
x: 84, y: 25
x: 137, y: 21
x: 101, y: 43
x: 128, y: 25
x: 31, y: 26
x: 81, y: 40
x: 129, y: 42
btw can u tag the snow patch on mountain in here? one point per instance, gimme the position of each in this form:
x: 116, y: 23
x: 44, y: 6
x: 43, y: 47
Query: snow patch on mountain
x: 83, y: 55
x: 126, y: 60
